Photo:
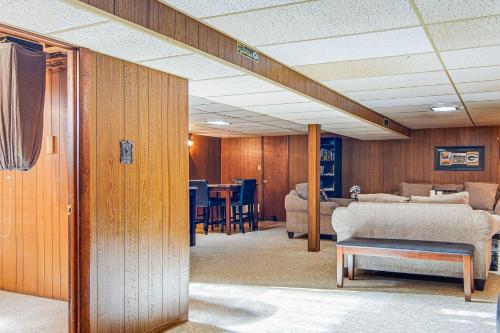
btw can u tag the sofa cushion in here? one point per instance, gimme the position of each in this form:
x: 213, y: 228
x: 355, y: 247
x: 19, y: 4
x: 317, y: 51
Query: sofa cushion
x: 301, y: 190
x: 409, y: 189
x: 448, y: 187
x: 382, y: 197
x: 454, y: 198
x: 482, y: 195
x: 327, y: 208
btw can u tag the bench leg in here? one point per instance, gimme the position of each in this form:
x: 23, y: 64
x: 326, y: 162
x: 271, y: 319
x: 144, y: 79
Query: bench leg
x: 467, y: 277
x: 350, y: 266
x: 340, y: 266
x: 472, y: 273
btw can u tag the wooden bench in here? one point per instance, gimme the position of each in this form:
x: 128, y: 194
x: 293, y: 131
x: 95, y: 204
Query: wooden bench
x: 404, y: 248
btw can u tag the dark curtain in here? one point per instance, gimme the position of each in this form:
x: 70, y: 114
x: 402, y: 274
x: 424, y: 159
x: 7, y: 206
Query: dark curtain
x: 22, y: 95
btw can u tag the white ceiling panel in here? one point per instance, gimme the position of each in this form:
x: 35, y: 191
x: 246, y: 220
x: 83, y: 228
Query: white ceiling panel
x: 120, y: 41
x: 245, y: 84
x: 204, y: 8
x: 389, y: 81
x: 312, y: 115
x: 278, y: 97
x: 465, y: 34
x: 289, y: 108
x: 193, y: 66
x: 475, y: 74
x: 425, y: 62
x: 315, y: 19
x: 444, y: 89
x: 448, y: 10
x: 372, y: 45
x: 195, y: 101
x: 484, y: 86
x: 402, y: 109
x: 475, y: 57
x: 429, y: 100
x: 478, y: 97
x: 44, y: 16
x: 216, y: 107
x: 239, y: 113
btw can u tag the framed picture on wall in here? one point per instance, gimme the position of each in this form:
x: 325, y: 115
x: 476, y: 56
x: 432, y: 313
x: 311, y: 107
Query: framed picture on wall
x: 459, y: 158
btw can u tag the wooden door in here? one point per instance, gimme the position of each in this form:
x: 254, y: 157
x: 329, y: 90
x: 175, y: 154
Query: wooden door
x: 275, y: 180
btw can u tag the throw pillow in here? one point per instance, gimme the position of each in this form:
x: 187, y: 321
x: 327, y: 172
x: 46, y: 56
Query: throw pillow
x: 382, y: 197
x: 482, y: 195
x: 409, y: 189
x: 301, y: 190
x: 454, y: 198
x: 448, y: 187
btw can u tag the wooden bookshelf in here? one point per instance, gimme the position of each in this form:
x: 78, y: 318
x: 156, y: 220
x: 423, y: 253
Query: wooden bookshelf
x: 331, y: 167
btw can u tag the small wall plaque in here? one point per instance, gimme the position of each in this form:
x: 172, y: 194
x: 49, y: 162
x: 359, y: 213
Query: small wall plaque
x: 126, y: 152
x: 459, y: 158
x: 247, y: 52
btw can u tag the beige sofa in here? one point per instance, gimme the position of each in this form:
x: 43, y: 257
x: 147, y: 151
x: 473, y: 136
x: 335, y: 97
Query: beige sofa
x: 419, y: 221
x: 296, y: 212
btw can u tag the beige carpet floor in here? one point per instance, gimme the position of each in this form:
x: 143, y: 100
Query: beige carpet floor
x: 29, y: 314
x: 264, y: 282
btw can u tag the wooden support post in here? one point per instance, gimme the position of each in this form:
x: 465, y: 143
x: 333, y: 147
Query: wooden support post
x: 313, y: 189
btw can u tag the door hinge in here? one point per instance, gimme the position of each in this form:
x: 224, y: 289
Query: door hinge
x: 70, y: 209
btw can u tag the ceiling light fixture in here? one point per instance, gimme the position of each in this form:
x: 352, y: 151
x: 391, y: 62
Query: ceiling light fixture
x: 442, y: 107
x: 217, y: 122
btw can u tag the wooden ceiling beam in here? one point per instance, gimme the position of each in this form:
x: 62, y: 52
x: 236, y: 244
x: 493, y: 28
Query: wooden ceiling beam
x: 167, y: 21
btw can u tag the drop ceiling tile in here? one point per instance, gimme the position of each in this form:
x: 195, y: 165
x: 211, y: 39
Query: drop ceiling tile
x: 195, y: 101
x: 478, y: 97
x: 216, y: 107
x: 465, y: 34
x: 365, y: 46
x: 484, y: 86
x: 344, y: 70
x: 220, y: 7
x: 475, y: 57
x: 278, y: 97
x: 193, y: 66
x: 120, y: 41
x: 411, y: 101
x: 475, y: 74
x: 194, y: 111
x: 245, y: 84
x: 238, y: 113
x: 311, y: 115
x: 448, y: 10
x: 402, y: 109
x: 44, y: 16
x: 315, y: 19
x: 444, y: 89
x: 289, y: 108
x: 389, y: 81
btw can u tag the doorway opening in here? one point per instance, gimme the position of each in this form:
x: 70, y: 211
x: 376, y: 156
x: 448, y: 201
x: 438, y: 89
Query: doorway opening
x: 37, y: 217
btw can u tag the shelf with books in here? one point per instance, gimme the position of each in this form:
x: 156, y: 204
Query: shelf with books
x: 330, y: 166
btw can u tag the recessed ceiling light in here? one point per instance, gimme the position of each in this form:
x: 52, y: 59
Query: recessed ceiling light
x: 442, y: 107
x: 217, y: 122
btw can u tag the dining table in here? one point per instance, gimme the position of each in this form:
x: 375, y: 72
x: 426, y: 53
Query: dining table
x: 227, y: 190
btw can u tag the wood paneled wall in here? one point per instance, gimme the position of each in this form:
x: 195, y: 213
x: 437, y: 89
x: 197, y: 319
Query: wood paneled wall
x: 297, y: 160
x: 379, y: 166
x: 34, y: 255
x: 204, y: 158
x: 242, y: 158
x: 133, y: 217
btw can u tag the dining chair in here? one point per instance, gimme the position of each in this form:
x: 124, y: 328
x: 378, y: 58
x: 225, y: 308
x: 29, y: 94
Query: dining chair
x: 204, y: 201
x: 245, y: 197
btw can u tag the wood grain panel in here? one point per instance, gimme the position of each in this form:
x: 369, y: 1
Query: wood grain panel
x: 379, y: 166
x: 242, y: 158
x: 172, y: 23
x: 134, y: 216
x: 205, y: 158
x: 297, y: 167
x: 275, y: 183
x: 34, y: 256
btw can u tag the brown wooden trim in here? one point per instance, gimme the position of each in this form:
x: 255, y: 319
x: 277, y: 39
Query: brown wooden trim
x: 374, y: 252
x: 340, y: 266
x: 47, y: 41
x: 313, y: 187
x: 171, y: 324
x: 193, y: 33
